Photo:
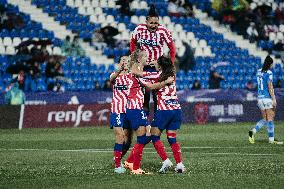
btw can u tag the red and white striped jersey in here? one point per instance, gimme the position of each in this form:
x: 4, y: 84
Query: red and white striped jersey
x: 152, y: 42
x: 136, y: 92
x: 167, y: 96
x: 120, y: 91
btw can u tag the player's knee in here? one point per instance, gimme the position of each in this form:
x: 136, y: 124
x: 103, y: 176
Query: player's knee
x: 119, y: 137
x: 155, y: 138
x: 171, y: 138
x: 142, y: 139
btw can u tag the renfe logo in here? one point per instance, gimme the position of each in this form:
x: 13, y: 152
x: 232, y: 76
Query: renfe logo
x: 61, y: 116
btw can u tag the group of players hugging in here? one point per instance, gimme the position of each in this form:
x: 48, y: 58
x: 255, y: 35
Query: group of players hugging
x: 147, y: 69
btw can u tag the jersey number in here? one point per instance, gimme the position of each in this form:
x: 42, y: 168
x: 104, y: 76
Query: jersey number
x: 260, y: 82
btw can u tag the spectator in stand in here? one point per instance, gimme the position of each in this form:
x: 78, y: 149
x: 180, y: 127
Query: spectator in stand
x: 66, y: 46
x: 279, y: 14
x: 105, y: 35
x: 188, y: 9
x: 43, y: 51
x: 53, y: 68
x: 21, y: 80
x: 279, y: 84
x: 250, y: 86
x: 125, y: 7
x: 97, y: 85
x: 59, y: 87
x: 107, y: 85
x: 252, y: 33
x: 23, y: 50
x: 179, y: 8
x: 186, y: 61
x: 215, y: 79
x: 15, y: 96
x: 196, y: 85
x: 35, y: 70
x: 76, y: 49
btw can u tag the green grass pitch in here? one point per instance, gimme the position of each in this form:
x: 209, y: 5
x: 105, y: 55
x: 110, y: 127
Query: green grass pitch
x: 215, y: 155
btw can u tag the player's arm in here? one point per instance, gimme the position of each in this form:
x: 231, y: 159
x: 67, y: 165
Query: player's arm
x: 271, y: 92
x: 133, y: 41
x: 114, y: 75
x: 161, y: 84
x: 172, y: 52
x: 171, y: 45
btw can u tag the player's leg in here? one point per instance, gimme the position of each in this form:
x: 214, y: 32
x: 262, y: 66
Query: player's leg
x: 128, y: 163
x: 172, y: 128
x: 138, y: 122
x: 158, y: 125
x: 270, y: 126
x: 116, y: 123
x: 128, y: 133
x: 258, y: 126
x: 160, y: 149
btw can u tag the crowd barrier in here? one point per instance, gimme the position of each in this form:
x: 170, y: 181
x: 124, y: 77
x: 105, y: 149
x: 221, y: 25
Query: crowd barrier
x: 81, y: 109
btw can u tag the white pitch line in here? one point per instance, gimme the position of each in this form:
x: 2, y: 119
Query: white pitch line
x: 109, y: 150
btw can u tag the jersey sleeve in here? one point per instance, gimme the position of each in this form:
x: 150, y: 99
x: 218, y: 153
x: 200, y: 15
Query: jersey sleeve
x: 133, y: 40
x: 170, y: 43
x: 270, y: 77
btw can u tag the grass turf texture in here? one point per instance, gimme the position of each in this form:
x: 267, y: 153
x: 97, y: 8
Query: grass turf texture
x: 215, y: 155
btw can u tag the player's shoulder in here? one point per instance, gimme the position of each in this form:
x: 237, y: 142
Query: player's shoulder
x: 141, y: 27
x: 162, y: 28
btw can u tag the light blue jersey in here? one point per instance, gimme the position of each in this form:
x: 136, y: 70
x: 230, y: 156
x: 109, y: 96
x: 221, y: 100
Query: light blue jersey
x: 262, y: 83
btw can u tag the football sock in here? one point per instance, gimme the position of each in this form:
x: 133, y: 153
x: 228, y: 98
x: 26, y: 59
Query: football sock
x: 270, y: 130
x: 139, y: 147
x: 130, y: 158
x: 117, y: 154
x: 258, y: 126
x: 138, y: 155
x: 159, y: 146
x: 176, y: 152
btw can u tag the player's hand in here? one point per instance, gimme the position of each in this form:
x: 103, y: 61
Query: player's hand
x: 170, y: 80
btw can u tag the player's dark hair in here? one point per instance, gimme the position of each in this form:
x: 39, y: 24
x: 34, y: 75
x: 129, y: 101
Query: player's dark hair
x: 167, y: 67
x: 267, y: 63
x: 152, y: 12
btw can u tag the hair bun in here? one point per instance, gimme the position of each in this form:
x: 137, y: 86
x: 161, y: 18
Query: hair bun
x: 152, y: 11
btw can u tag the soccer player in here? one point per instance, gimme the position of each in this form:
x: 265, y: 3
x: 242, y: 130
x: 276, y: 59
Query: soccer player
x: 135, y: 112
x: 118, y: 121
x: 151, y: 37
x: 266, y: 102
x: 168, y: 115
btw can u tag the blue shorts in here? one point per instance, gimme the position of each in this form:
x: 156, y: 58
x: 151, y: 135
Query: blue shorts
x: 119, y: 120
x: 136, y: 118
x: 167, y: 119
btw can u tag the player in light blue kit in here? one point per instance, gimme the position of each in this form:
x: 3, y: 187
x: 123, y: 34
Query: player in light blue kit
x: 266, y: 101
